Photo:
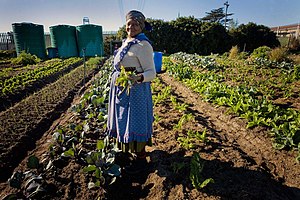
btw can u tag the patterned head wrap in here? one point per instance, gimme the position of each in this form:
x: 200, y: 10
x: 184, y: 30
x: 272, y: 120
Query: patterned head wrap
x: 140, y: 18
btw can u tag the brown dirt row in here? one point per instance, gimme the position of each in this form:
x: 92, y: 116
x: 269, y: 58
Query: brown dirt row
x: 241, y: 161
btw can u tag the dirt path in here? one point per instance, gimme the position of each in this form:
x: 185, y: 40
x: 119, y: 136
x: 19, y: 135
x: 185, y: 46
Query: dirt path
x: 241, y: 161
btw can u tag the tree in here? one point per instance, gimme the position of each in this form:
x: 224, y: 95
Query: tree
x: 251, y: 36
x: 217, y: 15
x: 160, y: 35
x: 121, y: 34
x: 215, y: 39
x: 233, y: 24
x: 109, y: 43
x: 183, y: 29
x: 186, y: 34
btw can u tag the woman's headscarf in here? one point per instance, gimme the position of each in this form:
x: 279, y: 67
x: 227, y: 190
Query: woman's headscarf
x: 140, y: 18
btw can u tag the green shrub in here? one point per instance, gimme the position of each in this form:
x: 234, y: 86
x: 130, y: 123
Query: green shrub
x: 225, y: 55
x: 294, y: 44
x: 297, y: 72
x: 243, y: 55
x: 295, y: 58
x: 25, y: 59
x: 261, y: 52
x: 234, y: 52
x: 279, y: 54
x: 94, y: 61
x: 4, y: 54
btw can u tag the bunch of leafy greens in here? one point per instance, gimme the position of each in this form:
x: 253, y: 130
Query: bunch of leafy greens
x: 124, y: 81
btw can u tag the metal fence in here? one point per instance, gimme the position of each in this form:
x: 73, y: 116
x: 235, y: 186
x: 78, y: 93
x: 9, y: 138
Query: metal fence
x: 7, y: 41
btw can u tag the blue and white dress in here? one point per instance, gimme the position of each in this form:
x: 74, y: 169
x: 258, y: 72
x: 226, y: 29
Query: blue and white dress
x: 130, y: 116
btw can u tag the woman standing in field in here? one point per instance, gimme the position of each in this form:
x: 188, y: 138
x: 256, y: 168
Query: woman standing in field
x: 130, y: 112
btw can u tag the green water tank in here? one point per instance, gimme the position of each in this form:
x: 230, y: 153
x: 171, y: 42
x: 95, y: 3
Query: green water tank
x: 63, y: 37
x: 90, y: 38
x: 30, y: 38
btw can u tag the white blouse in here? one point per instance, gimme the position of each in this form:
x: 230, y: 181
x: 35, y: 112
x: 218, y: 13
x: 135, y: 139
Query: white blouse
x: 140, y: 56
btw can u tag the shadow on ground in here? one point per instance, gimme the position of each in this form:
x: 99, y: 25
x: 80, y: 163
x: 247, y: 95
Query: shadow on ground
x: 229, y: 182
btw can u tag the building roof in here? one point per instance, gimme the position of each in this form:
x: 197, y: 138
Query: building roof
x: 286, y: 27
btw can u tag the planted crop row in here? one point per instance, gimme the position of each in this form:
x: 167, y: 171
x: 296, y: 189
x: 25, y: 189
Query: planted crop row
x: 21, y: 81
x: 23, y: 123
x: 245, y: 101
x: 32, y: 78
x: 272, y: 79
x: 188, y: 134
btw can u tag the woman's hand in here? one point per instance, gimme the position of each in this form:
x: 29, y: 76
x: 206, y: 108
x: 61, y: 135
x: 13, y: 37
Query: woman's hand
x: 136, y: 78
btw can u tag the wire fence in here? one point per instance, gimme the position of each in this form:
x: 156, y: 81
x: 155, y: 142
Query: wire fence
x: 7, y: 41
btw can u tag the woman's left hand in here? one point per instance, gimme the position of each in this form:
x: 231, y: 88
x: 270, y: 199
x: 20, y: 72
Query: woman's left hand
x: 136, y: 78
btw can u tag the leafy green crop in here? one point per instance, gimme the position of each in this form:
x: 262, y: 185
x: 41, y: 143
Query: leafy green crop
x: 184, y: 118
x: 20, y: 81
x: 197, y: 165
x: 245, y: 100
x: 101, y: 164
x: 25, y: 59
x: 162, y: 96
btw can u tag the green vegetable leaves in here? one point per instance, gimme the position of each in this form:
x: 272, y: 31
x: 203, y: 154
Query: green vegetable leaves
x: 124, y: 81
x: 251, y: 101
x: 197, y: 165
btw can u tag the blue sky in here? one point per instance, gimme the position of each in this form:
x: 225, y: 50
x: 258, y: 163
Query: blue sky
x: 110, y: 14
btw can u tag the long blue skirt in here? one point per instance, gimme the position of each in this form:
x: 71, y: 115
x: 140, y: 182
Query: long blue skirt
x: 130, y: 116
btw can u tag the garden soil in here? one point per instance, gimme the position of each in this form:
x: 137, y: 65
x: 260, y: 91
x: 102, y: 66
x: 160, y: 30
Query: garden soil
x: 241, y: 161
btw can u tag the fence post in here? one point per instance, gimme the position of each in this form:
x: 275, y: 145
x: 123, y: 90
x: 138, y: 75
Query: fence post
x: 84, y: 67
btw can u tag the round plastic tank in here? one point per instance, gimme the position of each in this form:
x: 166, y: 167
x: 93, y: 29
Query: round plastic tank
x: 90, y: 38
x: 30, y: 38
x: 63, y: 37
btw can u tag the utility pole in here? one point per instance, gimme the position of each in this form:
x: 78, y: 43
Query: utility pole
x: 297, y: 32
x: 226, y: 4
